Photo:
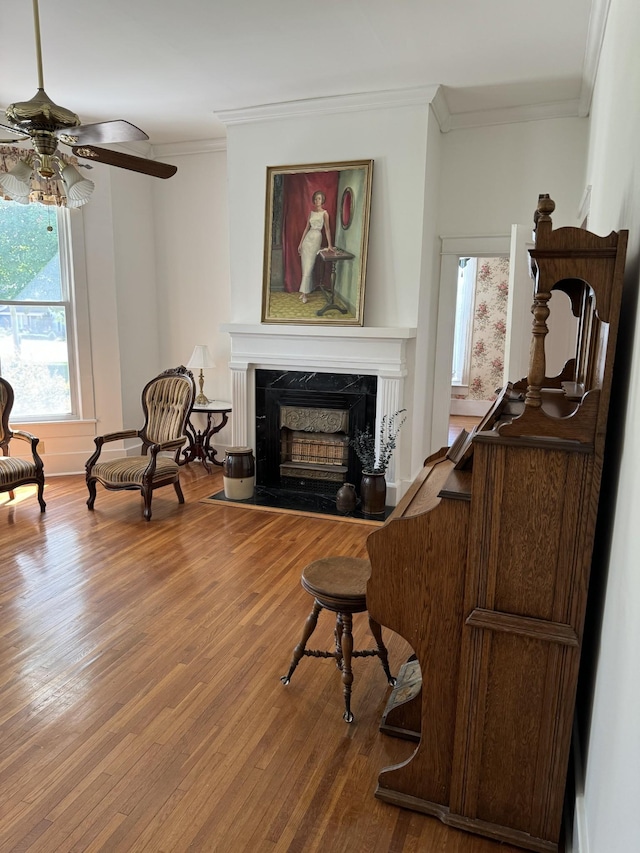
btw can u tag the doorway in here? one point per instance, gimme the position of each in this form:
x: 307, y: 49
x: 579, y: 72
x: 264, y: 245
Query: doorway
x: 477, y: 370
x: 502, y: 344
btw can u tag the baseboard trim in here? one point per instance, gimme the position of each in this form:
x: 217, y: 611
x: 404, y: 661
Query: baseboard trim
x: 471, y: 408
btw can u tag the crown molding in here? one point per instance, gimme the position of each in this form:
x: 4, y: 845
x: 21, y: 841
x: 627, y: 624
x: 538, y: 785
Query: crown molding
x: 385, y: 99
x: 199, y: 146
x: 441, y: 111
x: 172, y: 149
x: 511, y: 115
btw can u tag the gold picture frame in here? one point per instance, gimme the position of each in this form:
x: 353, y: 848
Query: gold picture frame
x: 316, y: 241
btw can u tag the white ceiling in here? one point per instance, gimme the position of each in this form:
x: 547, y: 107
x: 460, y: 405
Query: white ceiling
x: 168, y: 67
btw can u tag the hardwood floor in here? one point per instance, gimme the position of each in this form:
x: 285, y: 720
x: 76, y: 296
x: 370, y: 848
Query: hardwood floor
x: 459, y: 422
x: 141, y: 707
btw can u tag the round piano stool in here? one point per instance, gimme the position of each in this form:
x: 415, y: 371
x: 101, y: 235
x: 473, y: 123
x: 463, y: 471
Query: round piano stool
x: 339, y: 584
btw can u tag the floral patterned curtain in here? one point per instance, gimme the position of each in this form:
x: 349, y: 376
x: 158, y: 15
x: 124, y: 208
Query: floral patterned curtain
x: 489, y: 330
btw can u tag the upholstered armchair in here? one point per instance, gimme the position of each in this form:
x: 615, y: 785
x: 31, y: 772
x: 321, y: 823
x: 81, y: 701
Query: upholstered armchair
x: 166, y: 402
x: 14, y: 470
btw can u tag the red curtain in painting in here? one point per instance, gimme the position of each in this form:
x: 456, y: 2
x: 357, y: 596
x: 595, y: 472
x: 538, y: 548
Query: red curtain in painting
x: 298, y: 193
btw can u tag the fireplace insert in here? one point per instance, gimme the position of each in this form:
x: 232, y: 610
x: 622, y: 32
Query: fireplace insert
x: 304, y: 423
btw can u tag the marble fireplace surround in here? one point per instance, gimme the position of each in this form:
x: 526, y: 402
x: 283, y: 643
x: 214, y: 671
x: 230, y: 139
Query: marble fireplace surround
x: 380, y: 352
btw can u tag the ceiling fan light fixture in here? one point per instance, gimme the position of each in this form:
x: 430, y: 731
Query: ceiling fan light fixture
x: 17, y: 182
x: 46, y: 124
x: 77, y: 189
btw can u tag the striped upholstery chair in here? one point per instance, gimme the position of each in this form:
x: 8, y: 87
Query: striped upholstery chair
x: 14, y: 470
x: 167, y: 402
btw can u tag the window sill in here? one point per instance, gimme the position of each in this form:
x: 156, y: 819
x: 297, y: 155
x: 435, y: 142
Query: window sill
x: 53, y: 429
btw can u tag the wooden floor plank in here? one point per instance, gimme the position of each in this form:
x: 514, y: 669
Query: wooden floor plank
x: 141, y: 707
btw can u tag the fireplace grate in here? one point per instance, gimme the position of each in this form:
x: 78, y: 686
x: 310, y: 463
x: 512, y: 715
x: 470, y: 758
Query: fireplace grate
x: 314, y: 455
x: 313, y: 486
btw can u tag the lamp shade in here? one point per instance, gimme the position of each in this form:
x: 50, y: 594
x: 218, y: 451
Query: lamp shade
x: 17, y: 182
x: 78, y: 189
x: 201, y: 357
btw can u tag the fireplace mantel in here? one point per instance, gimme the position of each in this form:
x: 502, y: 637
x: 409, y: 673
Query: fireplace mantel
x: 338, y: 348
x: 380, y: 352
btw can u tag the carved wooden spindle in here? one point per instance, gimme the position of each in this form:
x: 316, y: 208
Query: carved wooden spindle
x: 537, y: 362
x: 346, y: 642
x: 540, y: 311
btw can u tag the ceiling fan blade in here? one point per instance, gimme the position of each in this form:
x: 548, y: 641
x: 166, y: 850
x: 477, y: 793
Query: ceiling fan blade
x: 102, y: 131
x: 125, y: 161
x: 16, y: 134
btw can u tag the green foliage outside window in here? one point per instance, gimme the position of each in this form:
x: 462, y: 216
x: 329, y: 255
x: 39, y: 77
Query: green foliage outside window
x: 40, y: 389
x: 34, y: 353
x: 26, y: 247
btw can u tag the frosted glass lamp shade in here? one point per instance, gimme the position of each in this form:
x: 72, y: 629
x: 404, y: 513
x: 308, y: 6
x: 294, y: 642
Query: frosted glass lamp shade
x: 17, y: 182
x: 77, y: 189
x: 201, y: 357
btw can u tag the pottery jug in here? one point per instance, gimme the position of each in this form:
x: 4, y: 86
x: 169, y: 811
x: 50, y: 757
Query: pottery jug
x: 238, y: 471
x: 346, y: 498
x: 373, y: 491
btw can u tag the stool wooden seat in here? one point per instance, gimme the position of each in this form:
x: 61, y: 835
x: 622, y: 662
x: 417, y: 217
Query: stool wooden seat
x: 339, y: 584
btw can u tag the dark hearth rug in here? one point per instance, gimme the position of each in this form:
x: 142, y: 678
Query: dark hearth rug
x: 298, y: 504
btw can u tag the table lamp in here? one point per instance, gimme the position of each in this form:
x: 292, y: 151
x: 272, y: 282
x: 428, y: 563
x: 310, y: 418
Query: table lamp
x: 201, y: 357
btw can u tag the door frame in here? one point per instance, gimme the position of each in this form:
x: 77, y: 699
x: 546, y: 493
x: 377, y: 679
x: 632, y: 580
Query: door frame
x: 451, y: 250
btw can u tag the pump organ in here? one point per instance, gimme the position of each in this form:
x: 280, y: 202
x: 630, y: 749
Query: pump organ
x: 484, y: 567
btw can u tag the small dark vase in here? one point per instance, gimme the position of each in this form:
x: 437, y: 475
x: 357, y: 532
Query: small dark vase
x: 373, y: 491
x: 346, y: 498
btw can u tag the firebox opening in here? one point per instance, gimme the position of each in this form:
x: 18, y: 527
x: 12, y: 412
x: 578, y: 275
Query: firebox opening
x: 304, y: 424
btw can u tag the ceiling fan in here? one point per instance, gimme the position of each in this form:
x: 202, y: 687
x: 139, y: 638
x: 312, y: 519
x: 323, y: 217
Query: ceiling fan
x: 48, y: 124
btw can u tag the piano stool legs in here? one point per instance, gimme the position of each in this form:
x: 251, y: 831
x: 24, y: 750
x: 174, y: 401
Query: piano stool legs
x: 344, y: 596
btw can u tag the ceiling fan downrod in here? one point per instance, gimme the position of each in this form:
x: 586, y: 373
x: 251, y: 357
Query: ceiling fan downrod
x: 36, y: 27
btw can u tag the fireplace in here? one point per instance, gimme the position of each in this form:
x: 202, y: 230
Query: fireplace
x: 304, y: 423
x: 379, y: 354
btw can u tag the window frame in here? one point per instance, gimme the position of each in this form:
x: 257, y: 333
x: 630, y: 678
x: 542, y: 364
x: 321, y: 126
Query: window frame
x: 463, y: 326
x: 74, y: 292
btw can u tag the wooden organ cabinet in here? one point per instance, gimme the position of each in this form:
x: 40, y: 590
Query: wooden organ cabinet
x: 483, y: 568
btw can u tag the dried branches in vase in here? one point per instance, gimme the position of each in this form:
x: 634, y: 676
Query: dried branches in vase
x: 364, y: 444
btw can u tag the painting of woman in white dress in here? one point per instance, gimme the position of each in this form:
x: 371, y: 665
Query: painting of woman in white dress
x: 311, y: 241
x: 316, y: 237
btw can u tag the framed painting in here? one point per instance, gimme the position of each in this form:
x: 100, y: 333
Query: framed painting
x: 315, y: 245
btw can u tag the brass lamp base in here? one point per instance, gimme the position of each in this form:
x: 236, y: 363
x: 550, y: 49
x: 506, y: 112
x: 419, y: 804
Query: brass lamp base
x: 201, y: 400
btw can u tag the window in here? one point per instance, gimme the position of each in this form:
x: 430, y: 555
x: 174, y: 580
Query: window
x: 467, y: 268
x: 36, y: 316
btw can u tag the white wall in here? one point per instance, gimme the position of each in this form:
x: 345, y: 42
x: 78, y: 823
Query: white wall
x: 492, y: 176
x: 430, y: 424
x: 395, y: 138
x: 612, y: 759
x: 135, y: 280
x: 192, y: 263
x: 192, y: 235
